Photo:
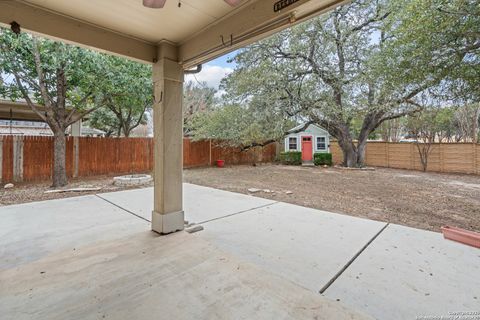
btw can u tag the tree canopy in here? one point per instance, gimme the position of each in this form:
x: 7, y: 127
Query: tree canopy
x: 360, y: 65
x: 197, y: 98
x: 127, y: 92
x: 61, y: 77
x: 37, y: 70
x: 236, y: 125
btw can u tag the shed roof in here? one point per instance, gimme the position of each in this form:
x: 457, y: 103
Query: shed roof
x: 300, y: 126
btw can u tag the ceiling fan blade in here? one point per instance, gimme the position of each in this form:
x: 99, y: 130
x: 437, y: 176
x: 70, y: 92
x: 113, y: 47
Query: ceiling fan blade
x: 154, y: 4
x: 233, y: 3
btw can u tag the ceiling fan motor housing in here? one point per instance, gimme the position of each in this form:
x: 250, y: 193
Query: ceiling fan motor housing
x: 158, y: 4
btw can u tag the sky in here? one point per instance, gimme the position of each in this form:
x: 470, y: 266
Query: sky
x: 214, y: 71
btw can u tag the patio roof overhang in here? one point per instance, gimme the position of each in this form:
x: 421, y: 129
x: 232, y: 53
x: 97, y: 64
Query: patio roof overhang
x: 200, y: 30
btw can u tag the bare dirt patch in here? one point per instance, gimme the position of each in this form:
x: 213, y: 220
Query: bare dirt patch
x: 421, y: 200
x: 28, y: 192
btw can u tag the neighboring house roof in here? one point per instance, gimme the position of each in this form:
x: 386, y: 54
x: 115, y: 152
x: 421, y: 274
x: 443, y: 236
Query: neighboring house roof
x: 25, y: 130
x: 87, y: 131
x: 19, y: 110
x: 300, y: 126
x: 29, y: 128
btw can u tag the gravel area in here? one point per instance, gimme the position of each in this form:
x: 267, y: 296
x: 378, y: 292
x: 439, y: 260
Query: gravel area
x: 417, y: 199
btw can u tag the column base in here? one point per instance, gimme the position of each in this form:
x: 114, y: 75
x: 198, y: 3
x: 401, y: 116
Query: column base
x: 167, y: 223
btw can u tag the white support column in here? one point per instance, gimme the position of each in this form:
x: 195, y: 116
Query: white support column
x: 167, y: 215
x: 76, y: 129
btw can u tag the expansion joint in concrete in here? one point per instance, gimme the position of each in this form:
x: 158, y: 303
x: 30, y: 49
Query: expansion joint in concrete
x: 345, y: 267
x: 120, y: 207
x: 239, y: 212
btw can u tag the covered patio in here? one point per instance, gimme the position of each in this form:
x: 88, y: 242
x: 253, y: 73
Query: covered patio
x: 173, y: 36
x: 94, y: 257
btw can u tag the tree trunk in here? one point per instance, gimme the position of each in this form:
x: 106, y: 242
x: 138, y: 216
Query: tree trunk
x: 353, y: 155
x: 349, y: 151
x: 361, y: 146
x: 59, y: 167
x: 423, y: 151
x: 126, y: 130
x: 475, y: 125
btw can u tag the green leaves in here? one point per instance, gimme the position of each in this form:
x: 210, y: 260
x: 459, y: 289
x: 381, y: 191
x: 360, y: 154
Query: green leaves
x: 127, y: 92
x: 79, y: 65
x: 434, y: 42
x: 120, y: 90
x: 237, y: 126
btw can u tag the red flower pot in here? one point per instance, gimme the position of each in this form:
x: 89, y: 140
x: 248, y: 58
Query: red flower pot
x: 463, y: 236
x: 220, y: 163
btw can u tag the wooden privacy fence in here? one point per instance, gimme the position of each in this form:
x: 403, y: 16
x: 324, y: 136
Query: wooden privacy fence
x: 444, y: 157
x: 207, y: 152
x: 30, y: 158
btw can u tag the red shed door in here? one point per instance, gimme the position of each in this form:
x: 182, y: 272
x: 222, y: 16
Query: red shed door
x: 307, y: 148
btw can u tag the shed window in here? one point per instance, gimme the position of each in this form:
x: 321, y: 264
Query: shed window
x: 292, y: 143
x: 321, y: 143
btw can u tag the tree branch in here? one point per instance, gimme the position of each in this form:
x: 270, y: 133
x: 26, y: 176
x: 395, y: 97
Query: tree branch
x: 27, y: 98
x: 38, y: 67
x: 267, y: 142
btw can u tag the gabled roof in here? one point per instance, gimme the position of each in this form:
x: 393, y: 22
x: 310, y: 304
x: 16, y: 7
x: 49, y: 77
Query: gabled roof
x: 300, y: 126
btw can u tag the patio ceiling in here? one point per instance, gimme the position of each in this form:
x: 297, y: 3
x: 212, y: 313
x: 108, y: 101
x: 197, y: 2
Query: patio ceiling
x: 201, y: 30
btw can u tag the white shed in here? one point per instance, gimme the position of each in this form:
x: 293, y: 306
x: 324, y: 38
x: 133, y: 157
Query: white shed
x: 311, y: 140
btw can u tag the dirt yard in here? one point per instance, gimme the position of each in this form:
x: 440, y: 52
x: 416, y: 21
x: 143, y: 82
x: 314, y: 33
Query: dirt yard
x: 416, y: 199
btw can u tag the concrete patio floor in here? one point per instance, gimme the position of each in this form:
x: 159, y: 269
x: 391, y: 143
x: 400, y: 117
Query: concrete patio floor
x: 94, y: 257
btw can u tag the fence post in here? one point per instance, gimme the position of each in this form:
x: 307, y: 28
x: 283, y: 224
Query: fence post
x: 412, y: 155
x: 75, y: 156
x: 442, y: 157
x: 17, y: 158
x: 210, y: 153
x: 477, y: 158
x: 387, y: 153
x: 475, y: 169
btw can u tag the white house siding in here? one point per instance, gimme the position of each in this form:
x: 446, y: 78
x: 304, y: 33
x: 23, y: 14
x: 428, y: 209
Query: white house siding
x: 312, y: 131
